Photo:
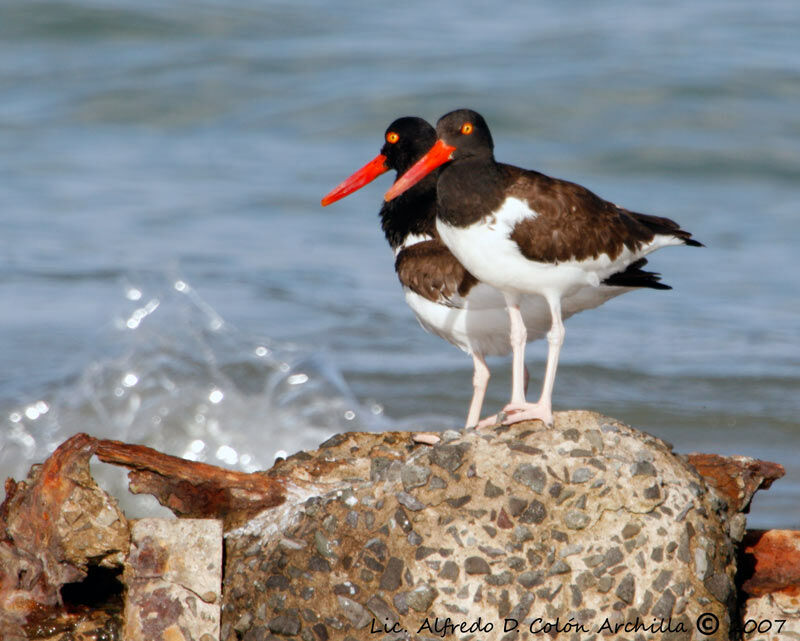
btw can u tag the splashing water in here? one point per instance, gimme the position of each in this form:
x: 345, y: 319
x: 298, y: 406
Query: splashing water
x: 189, y: 384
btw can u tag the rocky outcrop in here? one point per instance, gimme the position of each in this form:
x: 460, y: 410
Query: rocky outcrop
x: 590, y: 528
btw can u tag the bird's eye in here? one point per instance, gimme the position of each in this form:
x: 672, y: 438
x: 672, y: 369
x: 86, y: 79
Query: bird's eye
x: 392, y: 137
x: 466, y: 128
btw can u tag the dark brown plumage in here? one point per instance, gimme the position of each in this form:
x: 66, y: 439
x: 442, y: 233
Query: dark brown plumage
x: 430, y: 270
x: 573, y: 223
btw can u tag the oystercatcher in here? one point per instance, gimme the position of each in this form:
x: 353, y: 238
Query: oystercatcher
x: 529, y: 234
x: 447, y: 299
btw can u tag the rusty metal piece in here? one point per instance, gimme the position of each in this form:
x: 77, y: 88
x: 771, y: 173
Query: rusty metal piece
x: 191, y: 488
x: 770, y: 562
x: 736, y: 478
x: 52, y: 526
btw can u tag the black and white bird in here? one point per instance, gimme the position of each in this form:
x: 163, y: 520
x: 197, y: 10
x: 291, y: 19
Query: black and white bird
x: 533, y: 237
x: 446, y: 298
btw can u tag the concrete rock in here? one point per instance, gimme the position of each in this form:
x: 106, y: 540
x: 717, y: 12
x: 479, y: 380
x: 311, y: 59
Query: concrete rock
x: 575, y: 523
x: 173, y: 577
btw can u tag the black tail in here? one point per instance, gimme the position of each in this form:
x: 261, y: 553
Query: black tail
x: 660, y: 225
x: 635, y: 276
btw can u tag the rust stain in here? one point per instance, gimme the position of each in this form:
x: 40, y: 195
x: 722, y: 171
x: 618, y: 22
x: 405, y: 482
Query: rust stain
x: 791, y: 591
x: 736, y: 478
x: 157, y: 611
x: 770, y: 562
x: 149, y: 558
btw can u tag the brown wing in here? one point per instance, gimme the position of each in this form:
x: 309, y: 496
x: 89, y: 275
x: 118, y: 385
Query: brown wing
x: 572, y: 222
x: 430, y: 270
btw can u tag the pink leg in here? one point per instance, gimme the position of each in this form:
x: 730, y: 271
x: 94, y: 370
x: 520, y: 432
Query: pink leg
x: 494, y: 419
x: 555, y: 339
x: 543, y: 409
x: 518, y: 337
x: 480, y: 380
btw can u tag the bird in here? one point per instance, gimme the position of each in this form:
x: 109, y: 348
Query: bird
x: 531, y: 235
x: 447, y: 299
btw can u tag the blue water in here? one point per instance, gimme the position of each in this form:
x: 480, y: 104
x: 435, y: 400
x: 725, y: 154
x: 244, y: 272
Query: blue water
x: 169, y: 277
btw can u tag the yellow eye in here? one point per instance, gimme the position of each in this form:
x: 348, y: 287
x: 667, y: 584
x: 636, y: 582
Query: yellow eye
x: 392, y: 137
x: 466, y: 128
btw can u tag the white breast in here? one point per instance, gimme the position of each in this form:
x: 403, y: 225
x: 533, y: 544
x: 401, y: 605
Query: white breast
x: 479, y: 322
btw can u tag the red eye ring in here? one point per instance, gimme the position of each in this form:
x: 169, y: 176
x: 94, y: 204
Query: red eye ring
x: 392, y: 137
x: 467, y: 128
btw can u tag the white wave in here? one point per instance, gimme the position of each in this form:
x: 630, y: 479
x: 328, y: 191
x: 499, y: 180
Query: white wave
x: 187, y: 383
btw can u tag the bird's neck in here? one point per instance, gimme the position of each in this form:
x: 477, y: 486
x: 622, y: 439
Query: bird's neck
x: 413, y: 212
x: 468, y: 189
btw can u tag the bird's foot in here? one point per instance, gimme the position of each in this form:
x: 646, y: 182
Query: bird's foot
x: 517, y: 412
x: 425, y: 438
x: 489, y: 421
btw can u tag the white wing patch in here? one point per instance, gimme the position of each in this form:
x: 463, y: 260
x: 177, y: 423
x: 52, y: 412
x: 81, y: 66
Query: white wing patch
x: 511, y: 212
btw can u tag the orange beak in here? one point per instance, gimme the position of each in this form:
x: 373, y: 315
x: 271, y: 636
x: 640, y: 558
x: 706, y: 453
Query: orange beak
x: 437, y: 155
x: 363, y: 176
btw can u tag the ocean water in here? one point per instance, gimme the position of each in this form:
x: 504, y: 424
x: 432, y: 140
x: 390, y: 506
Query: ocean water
x: 169, y: 278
